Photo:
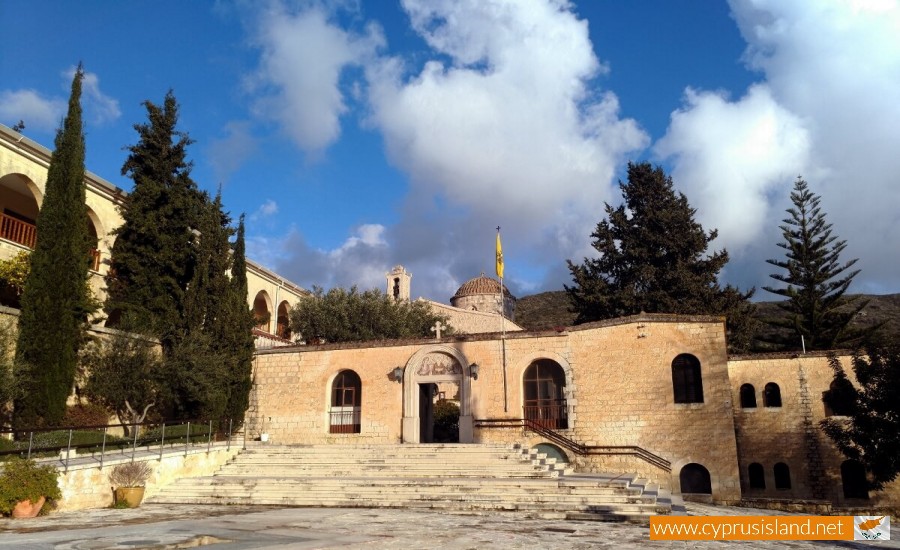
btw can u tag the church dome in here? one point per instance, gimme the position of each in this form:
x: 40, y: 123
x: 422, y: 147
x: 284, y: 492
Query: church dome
x: 480, y: 285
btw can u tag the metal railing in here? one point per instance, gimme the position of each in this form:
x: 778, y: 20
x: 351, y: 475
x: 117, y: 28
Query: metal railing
x: 572, y: 445
x: 345, y: 420
x: 105, y: 439
x: 551, y: 414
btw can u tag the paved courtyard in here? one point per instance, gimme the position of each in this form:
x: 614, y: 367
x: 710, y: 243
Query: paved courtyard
x: 240, y: 527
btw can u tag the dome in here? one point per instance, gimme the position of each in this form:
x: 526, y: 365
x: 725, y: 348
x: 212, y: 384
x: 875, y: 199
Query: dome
x: 480, y: 285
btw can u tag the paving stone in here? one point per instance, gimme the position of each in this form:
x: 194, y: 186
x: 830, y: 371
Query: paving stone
x: 235, y: 527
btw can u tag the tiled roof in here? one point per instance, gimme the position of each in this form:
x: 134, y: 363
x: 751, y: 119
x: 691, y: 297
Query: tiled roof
x: 480, y: 285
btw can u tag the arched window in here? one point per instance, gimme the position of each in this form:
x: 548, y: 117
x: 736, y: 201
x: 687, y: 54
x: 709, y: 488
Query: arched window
x: 757, y: 476
x: 686, y: 379
x: 545, y: 389
x: 748, y: 396
x: 853, y: 478
x: 772, y: 395
x: 695, y: 480
x: 782, y: 476
x: 346, y: 397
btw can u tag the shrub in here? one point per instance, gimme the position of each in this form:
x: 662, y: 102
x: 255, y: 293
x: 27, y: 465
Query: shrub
x: 88, y: 414
x: 131, y: 474
x: 25, y: 480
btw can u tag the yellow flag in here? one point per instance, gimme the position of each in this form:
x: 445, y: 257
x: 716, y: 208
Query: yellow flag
x: 499, y: 257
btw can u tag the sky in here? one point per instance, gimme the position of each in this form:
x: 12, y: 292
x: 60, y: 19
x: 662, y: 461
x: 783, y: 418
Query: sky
x: 358, y: 135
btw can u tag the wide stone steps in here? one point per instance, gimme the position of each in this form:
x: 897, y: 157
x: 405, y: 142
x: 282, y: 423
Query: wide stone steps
x: 470, y: 478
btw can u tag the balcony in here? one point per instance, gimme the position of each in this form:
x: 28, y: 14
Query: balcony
x: 17, y: 231
x: 25, y: 234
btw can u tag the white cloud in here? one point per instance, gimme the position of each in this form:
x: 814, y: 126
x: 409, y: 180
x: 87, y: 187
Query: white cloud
x: 227, y: 154
x: 265, y: 210
x: 505, y: 125
x: 46, y: 113
x: 99, y: 107
x: 303, y: 57
x: 37, y: 112
x: 830, y: 70
x: 729, y: 157
x: 362, y: 259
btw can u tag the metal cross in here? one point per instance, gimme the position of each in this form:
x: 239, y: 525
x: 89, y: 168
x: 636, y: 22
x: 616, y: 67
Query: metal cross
x: 437, y: 328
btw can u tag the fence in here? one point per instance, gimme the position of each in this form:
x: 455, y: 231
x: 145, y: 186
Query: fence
x: 146, y: 436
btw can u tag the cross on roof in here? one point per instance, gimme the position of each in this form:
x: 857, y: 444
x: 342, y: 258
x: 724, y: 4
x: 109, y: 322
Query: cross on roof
x: 437, y: 328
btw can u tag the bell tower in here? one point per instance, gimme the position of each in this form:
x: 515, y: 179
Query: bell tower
x: 398, y: 280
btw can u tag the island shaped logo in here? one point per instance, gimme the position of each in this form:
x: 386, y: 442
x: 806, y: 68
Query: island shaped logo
x: 871, y: 528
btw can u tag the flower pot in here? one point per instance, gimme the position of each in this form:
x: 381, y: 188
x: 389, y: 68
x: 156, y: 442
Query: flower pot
x: 130, y: 496
x: 28, y: 509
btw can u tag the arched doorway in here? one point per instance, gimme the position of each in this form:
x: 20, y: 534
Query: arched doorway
x: 695, y: 480
x: 544, y: 389
x: 283, y: 323
x: 436, y: 377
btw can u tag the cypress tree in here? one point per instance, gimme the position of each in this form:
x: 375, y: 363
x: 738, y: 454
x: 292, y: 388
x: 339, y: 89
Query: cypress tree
x: 237, y: 324
x: 55, y: 300
x: 816, y: 307
x: 201, y: 355
x: 153, y: 256
x: 653, y: 258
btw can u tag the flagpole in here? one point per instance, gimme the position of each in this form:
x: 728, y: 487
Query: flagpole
x: 499, y: 269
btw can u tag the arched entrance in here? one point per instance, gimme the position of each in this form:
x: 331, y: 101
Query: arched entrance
x: 435, y: 374
x: 544, y: 389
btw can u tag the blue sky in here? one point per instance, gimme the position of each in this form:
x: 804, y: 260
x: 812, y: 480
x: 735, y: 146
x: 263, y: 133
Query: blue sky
x: 361, y: 135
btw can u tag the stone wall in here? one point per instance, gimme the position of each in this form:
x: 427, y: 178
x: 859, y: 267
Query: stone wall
x: 466, y: 321
x: 87, y: 486
x: 790, y: 433
x: 618, y: 388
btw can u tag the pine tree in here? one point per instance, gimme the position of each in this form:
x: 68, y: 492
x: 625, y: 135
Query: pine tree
x: 55, y: 300
x: 653, y: 258
x: 153, y: 256
x: 816, y: 307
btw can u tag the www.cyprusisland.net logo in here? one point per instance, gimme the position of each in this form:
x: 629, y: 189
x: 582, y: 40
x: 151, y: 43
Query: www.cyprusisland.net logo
x: 871, y: 528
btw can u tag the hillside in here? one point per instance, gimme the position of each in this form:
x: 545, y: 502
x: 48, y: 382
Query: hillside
x: 550, y: 310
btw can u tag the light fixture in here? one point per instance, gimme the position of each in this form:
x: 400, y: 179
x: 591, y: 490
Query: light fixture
x: 397, y: 374
x: 473, y: 371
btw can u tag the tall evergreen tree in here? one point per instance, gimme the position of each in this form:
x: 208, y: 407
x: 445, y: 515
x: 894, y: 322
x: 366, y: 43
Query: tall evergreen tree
x: 55, y: 300
x: 202, y: 361
x: 153, y: 256
x: 237, y: 324
x: 816, y: 306
x: 653, y: 258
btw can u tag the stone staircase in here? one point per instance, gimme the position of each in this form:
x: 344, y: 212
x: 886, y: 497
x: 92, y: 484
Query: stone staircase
x: 453, y: 477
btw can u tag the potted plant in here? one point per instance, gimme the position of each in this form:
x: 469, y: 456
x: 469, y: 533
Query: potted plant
x: 130, y: 479
x: 25, y: 487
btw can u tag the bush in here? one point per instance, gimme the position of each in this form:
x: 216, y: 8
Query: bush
x: 25, y: 480
x: 131, y: 474
x: 88, y: 414
x: 446, y: 421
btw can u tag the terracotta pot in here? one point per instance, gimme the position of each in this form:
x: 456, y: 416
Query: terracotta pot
x: 131, y: 496
x: 28, y: 509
